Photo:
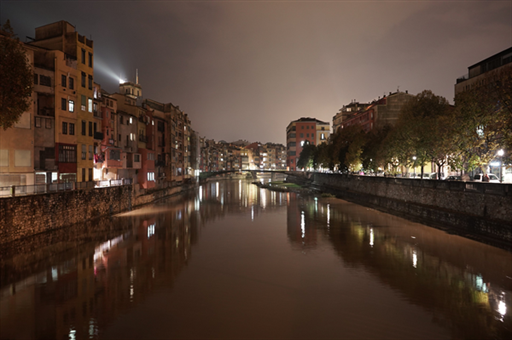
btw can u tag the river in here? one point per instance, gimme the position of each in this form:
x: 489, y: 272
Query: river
x: 232, y: 261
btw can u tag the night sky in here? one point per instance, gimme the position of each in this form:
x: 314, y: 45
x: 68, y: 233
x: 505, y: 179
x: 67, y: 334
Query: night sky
x: 245, y: 69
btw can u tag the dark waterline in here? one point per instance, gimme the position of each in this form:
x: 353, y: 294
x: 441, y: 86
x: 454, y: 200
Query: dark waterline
x: 234, y: 261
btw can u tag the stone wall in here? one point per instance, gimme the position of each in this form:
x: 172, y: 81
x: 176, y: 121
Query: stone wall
x: 481, y: 211
x: 25, y: 216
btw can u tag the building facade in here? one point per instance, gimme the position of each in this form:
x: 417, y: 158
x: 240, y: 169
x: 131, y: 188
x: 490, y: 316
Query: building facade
x: 303, y: 131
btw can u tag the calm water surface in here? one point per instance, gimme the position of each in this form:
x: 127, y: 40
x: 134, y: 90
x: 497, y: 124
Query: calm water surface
x: 234, y: 261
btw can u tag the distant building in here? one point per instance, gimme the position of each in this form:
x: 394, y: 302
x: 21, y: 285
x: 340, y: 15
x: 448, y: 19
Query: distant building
x: 486, y: 70
x: 379, y: 113
x: 304, y: 131
x: 345, y: 112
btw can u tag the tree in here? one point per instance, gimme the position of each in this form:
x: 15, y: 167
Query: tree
x: 424, y: 130
x: 307, y: 155
x: 484, y: 121
x: 347, y: 147
x: 15, y: 78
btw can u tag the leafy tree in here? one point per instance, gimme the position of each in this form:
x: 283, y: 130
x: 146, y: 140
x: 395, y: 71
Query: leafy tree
x: 483, y: 122
x: 307, y: 155
x: 15, y: 78
x: 347, y: 147
x: 424, y: 130
x: 374, y: 156
x: 323, y: 158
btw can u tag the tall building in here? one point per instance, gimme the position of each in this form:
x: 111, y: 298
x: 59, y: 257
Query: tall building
x: 304, y: 131
x: 75, y: 76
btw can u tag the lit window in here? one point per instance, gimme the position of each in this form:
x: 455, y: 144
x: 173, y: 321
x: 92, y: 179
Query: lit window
x: 90, y: 104
x: 71, y: 106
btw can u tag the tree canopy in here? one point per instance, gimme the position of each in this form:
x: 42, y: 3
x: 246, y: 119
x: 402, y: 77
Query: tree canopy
x: 15, y: 78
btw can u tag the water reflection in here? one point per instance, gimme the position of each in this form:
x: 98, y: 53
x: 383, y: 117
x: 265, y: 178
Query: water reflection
x: 466, y: 285
x: 74, y: 284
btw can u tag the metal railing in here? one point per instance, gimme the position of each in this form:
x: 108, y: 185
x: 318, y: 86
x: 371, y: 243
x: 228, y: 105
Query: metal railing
x: 35, y: 189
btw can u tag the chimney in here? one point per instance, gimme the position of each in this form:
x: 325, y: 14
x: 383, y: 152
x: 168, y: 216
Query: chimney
x: 137, y: 76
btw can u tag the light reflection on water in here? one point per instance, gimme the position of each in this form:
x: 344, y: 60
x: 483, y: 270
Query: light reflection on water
x: 356, y: 269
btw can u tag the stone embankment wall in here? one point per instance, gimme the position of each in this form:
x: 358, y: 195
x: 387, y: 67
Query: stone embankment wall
x: 481, y: 211
x: 25, y: 216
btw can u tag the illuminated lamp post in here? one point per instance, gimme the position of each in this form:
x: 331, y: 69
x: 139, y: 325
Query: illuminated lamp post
x: 500, y: 154
x: 414, y: 165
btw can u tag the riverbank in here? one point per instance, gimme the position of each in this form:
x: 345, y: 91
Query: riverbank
x: 479, y: 211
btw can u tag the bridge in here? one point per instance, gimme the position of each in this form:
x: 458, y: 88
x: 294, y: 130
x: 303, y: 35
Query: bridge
x: 208, y: 174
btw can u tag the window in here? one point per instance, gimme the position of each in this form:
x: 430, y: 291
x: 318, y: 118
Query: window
x: 119, y: 137
x: 67, y: 153
x: 4, y: 157
x: 90, y: 82
x: 36, y: 78
x: 71, y: 128
x: 83, y: 56
x: 83, y: 79
x: 63, y: 104
x: 63, y: 80
x: 83, y: 127
x: 90, y: 152
x: 48, y: 123
x: 301, y: 135
x: 22, y: 158
x: 121, y: 119
x: 115, y: 155
x: 71, y: 106
x: 151, y: 176
x: 64, y: 128
x: 71, y: 83
x: 84, y: 151
x: 38, y: 122
x: 132, y: 136
x: 83, y: 102
x: 90, y: 129
x: 45, y: 81
x: 136, y: 158
x: 90, y: 59
x: 90, y: 104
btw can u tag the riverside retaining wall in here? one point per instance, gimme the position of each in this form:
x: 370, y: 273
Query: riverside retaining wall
x: 481, y: 211
x: 25, y: 216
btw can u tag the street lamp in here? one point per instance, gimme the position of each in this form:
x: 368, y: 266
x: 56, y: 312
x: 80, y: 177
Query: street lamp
x: 414, y: 165
x: 500, y: 154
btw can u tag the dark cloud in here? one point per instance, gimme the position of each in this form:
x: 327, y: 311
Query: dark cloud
x: 245, y: 69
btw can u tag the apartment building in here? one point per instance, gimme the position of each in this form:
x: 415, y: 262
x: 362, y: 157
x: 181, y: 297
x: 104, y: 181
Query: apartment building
x: 346, y: 111
x: 379, y: 113
x: 300, y: 132
x: 490, y: 69
x: 74, y: 74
